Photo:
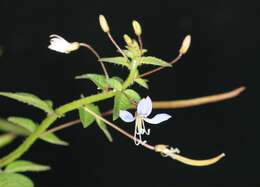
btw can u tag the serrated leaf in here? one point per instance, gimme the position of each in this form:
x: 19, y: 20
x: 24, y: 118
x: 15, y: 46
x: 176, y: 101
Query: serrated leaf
x: 103, y: 126
x: 25, y: 166
x: 29, y: 99
x: 123, y: 101
x: 97, y: 79
x: 118, y: 78
x: 30, y: 126
x: 142, y: 82
x: 52, y: 138
x: 100, y: 123
x: 6, y: 139
x: 86, y: 118
x: 134, y: 51
x: 114, y: 83
x: 154, y: 61
x: 15, y: 180
x: 133, y: 95
x: 116, y: 60
x: 8, y: 126
x: 128, y: 53
x: 26, y: 123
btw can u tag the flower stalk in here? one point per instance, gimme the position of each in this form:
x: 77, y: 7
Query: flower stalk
x: 98, y: 58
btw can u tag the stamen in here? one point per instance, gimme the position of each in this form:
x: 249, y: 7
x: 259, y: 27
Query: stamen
x: 147, y: 132
x: 139, y: 131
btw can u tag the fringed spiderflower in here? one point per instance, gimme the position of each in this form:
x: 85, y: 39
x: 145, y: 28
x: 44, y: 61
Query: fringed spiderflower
x: 61, y: 45
x: 144, y: 109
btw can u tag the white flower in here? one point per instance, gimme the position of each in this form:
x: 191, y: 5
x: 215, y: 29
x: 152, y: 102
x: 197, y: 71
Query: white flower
x: 144, y: 109
x: 61, y: 45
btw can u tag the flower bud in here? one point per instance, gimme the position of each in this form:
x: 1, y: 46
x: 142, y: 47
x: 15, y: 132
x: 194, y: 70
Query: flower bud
x: 128, y: 40
x: 137, y: 28
x: 103, y: 23
x: 185, y: 44
x: 135, y: 44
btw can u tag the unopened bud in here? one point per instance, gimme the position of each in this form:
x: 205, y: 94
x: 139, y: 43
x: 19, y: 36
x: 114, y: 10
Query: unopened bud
x: 103, y: 23
x: 127, y: 39
x: 137, y: 28
x: 185, y: 44
x: 135, y: 44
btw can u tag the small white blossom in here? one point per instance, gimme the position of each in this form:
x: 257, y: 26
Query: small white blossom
x: 144, y: 109
x: 59, y: 44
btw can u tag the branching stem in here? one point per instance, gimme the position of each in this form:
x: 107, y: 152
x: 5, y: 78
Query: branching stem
x: 168, y: 105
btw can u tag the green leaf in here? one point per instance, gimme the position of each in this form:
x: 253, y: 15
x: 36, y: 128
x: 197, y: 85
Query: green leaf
x: 142, y: 82
x: 15, y: 180
x: 114, y: 83
x: 97, y: 79
x: 128, y: 53
x: 123, y: 101
x: 26, y: 123
x: 8, y: 126
x: 133, y: 51
x: 53, y: 139
x: 154, y: 61
x: 25, y: 166
x: 117, y: 60
x: 86, y: 118
x: 6, y: 139
x: 103, y: 126
x: 118, y: 78
x: 31, y: 126
x: 133, y: 95
x: 49, y: 102
x: 29, y: 99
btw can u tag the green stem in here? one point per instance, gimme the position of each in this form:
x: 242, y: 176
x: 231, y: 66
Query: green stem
x: 17, y: 153
x: 130, y: 79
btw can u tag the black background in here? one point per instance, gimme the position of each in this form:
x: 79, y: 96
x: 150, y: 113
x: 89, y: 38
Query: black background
x: 223, y: 56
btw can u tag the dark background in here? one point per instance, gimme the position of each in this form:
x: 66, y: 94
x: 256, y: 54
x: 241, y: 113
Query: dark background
x: 223, y: 56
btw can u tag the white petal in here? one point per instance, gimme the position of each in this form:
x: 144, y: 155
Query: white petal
x: 158, y: 118
x: 54, y: 48
x: 126, y: 116
x: 55, y: 36
x: 59, y: 44
x: 145, y: 107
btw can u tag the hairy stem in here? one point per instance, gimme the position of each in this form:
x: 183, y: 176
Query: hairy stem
x: 132, y: 75
x: 17, y: 153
